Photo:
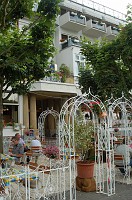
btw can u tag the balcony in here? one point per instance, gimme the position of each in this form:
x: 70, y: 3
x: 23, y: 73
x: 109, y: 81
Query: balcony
x: 112, y: 32
x: 54, y: 87
x: 72, y: 21
x: 70, y: 42
x: 96, y: 7
x: 95, y: 29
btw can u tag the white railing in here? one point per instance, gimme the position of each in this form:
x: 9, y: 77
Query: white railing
x: 24, y: 183
x: 101, y: 8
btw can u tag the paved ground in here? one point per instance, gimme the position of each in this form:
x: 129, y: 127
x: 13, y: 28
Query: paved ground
x: 123, y: 192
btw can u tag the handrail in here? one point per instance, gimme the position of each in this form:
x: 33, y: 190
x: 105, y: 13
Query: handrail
x: 101, y: 8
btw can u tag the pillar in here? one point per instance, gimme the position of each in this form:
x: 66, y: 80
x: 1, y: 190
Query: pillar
x: 51, y: 120
x: 20, y: 110
x: 33, y: 114
x: 25, y: 111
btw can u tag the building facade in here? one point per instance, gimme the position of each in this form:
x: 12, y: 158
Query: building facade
x: 78, y: 18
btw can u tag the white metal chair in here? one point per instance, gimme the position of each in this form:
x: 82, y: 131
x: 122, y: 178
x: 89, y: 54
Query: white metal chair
x: 36, y: 152
x: 122, y: 171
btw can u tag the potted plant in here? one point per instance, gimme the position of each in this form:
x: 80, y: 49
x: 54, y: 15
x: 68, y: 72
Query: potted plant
x: 84, y: 143
x: 65, y: 72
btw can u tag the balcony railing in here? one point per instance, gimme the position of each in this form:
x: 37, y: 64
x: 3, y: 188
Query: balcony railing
x: 100, y: 8
x: 95, y: 28
x: 70, y: 42
x: 115, y: 30
x: 73, y: 21
x: 112, y: 32
x: 100, y: 26
x: 52, y: 79
x: 77, y: 18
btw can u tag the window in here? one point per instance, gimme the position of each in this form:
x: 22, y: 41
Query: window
x: 80, y: 60
x: 10, y: 114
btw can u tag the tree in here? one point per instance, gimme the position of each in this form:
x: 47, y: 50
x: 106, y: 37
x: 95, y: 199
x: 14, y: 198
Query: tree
x: 110, y: 65
x: 24, y: 54
x: 129, y: 13
x: 86, y: 80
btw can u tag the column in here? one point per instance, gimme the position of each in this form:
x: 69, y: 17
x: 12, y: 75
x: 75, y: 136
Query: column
x: 20, y: 110
x: 51, y: 120
x: 25, y: 111
x: 33, y: 114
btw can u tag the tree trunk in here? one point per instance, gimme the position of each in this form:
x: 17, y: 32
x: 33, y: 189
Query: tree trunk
x: 1, y: 118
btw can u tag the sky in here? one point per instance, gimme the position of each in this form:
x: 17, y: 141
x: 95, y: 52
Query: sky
x: 118, y: 5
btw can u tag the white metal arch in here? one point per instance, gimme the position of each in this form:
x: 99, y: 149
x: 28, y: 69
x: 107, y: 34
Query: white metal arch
x: 67, y: 145
x: 123, y: 123
x: 41, y: 121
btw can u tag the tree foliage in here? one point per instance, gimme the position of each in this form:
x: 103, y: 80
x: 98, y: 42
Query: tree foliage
x: 24, y: 54
x: 129, y: 13
x: 109, y: 65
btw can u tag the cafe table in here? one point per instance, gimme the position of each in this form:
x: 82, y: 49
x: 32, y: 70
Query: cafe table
x: 7, y: 160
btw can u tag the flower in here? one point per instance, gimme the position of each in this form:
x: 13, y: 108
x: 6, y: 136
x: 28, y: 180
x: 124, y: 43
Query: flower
x: 52, y: 151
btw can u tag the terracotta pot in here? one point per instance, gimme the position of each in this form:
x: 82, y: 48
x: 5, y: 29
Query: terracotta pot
x: 85, y: 169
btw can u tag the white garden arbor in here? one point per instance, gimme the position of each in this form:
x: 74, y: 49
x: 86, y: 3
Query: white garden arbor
x: 120, y: 126
x: 59, y: 183
x: 104, y: 175
x: 42, y: 118
x: 104, y: 134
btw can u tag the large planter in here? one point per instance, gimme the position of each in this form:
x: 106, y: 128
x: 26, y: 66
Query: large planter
x: 85, y: 169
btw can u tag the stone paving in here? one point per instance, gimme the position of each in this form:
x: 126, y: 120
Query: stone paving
x: 123, y: 192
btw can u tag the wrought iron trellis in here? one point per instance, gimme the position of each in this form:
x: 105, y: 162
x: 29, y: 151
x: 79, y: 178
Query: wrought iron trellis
x: 65, y: 170
x: 41, y: 121
x: 120, y: 119
x: 102, y: 143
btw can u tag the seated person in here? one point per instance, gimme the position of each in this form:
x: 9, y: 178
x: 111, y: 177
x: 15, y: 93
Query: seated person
x: 17, y: 150
x: 122, y: 150
x: 21, y: 141
x: 36, y: 152
x: 36, y: 143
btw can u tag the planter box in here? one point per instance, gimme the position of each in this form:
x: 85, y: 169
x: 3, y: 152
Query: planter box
x: 9, y: 131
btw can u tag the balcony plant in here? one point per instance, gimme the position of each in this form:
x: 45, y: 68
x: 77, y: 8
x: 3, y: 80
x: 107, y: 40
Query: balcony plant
x: 84, y: 143
x: 65, y: 72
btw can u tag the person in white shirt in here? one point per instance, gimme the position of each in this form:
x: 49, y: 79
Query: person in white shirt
x: 36, y: 143
x: 126, y: 152
x: 36, y: 152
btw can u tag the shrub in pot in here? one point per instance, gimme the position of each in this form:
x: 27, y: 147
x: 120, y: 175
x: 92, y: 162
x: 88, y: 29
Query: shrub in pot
x: 84, y: 144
